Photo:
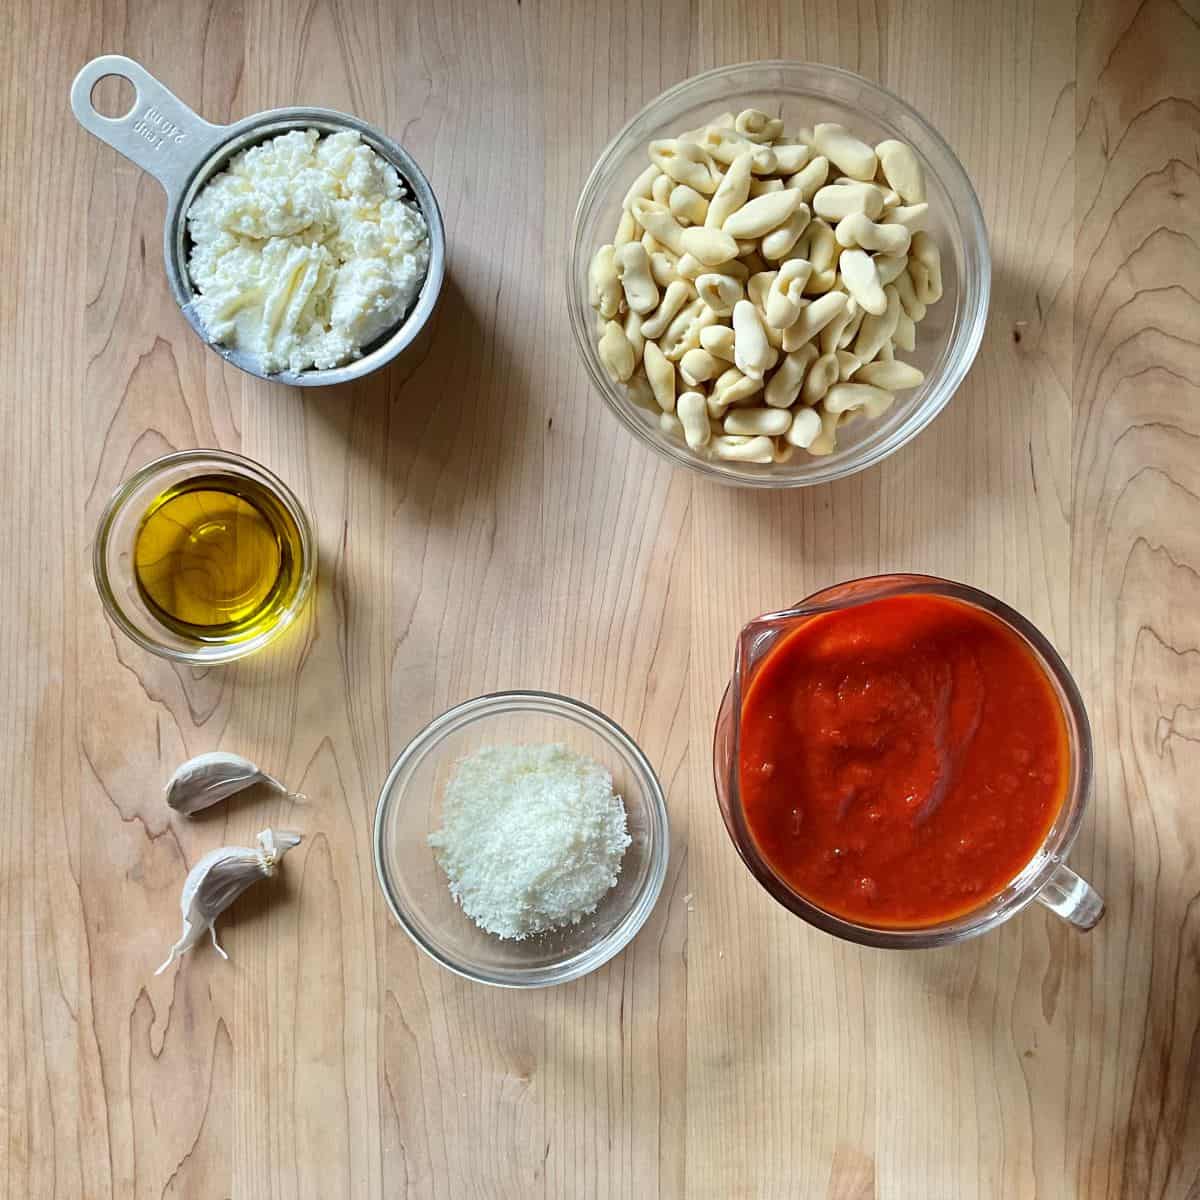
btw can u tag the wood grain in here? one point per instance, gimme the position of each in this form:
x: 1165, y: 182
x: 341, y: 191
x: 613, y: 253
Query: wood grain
x: 483, y: 523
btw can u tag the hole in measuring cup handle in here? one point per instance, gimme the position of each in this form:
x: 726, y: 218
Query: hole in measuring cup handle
x: 113, y: 96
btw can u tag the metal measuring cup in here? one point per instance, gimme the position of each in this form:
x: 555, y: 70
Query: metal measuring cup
x: 183, y: 152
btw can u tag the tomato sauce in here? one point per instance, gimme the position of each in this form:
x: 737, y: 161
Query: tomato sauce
x: 901, y: 761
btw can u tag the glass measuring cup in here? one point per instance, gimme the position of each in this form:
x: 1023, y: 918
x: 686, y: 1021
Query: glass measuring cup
x: 1045, y: 877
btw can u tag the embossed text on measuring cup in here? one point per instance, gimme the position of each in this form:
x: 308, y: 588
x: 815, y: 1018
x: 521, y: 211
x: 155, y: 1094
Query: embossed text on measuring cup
x: 157, y: 129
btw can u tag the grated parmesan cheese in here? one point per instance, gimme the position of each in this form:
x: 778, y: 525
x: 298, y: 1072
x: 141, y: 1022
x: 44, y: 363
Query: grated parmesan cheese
x: 532, y: 838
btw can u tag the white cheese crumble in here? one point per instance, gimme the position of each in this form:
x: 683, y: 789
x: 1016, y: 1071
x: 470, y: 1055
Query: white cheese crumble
x: 303, y: 250
x: 532, y: 838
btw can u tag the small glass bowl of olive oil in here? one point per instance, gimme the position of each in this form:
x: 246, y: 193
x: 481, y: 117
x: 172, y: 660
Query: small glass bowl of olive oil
x: 204, y: 556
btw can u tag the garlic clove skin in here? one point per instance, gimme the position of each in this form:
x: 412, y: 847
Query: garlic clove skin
x: 209, y: 778
x: 218, y: 879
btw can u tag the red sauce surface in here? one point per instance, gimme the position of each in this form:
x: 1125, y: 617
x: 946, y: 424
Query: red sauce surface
x: 901, y: 761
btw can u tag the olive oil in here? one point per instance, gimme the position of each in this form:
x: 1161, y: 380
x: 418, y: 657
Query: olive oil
x: 217, y: 558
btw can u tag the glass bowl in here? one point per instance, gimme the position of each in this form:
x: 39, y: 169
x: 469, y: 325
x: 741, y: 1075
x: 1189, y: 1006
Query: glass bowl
x: 410, y: 809
x: 802, y: 94
x: 113, y: 555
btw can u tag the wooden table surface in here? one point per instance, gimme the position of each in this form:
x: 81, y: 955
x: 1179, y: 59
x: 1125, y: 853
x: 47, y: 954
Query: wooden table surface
x: 484, y: 523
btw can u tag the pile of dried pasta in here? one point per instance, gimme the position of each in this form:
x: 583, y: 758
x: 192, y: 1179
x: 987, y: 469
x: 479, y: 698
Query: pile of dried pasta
x: 759, y: 285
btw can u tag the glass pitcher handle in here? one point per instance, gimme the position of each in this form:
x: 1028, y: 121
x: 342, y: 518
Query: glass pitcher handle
x: 1071, y: 897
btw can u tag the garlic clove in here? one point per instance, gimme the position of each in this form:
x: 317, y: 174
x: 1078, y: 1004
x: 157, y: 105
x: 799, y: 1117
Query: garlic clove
x: 218, y: 879
x: 209, y: 778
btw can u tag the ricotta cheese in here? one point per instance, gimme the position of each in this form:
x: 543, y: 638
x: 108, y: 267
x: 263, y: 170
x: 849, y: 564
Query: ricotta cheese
x: 532, y: 838
x: 304, y: 251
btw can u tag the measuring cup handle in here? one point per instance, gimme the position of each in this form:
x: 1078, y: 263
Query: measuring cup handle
x: 1071, y: 897
x: 159, y: 133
